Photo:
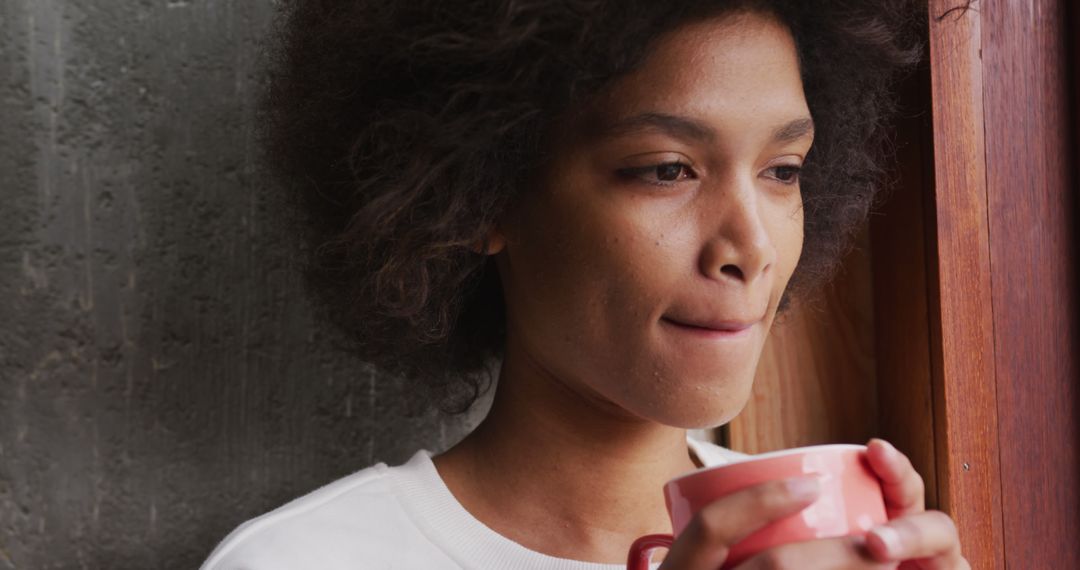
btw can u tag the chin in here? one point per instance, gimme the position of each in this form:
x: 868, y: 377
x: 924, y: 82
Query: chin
x: 698, y: 406
x: 704, y: 419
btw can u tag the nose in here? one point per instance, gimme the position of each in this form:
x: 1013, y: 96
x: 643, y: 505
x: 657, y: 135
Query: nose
x: 738, y: 247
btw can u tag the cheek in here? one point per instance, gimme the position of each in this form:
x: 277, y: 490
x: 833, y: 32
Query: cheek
x: 595, y: 267
x: 793, y: 250
x: 787, y: 231
x: 589, y: 277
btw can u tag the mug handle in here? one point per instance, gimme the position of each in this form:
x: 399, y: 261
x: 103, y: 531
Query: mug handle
x: 642, y: 549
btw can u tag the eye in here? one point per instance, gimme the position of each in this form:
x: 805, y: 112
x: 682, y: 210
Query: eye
x: 785, y: 174
x: 660, y: 174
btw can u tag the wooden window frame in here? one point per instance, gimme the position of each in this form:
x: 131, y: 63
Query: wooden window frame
x: 1003, y: 286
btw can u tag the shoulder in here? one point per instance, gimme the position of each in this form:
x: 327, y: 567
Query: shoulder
x: 356, y: 518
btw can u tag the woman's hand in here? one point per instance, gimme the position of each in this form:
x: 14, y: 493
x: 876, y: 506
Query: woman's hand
x: 913, y: 539
x: 705, y: 542
x: 920, y: 539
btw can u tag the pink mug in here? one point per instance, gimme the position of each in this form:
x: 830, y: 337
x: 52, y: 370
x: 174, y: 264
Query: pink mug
x: 851, y: 501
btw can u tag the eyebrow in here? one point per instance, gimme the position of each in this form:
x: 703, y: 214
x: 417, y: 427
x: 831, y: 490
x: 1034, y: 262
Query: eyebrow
x: 677, y: 126
x: 691, y: 129
x: 794, y: 130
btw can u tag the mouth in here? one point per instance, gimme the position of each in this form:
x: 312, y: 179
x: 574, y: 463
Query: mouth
x: 718, y: 329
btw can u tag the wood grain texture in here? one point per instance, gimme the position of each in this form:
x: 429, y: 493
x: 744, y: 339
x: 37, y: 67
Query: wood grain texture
x: 815, y: 381
x: 901, y: 311
x: 965, y: 401
x: 1030, y: 194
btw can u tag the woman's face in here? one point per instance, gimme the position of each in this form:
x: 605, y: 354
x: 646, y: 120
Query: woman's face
x: 646, y: 270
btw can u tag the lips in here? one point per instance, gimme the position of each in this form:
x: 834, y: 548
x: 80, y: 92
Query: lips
x: 717, y: 325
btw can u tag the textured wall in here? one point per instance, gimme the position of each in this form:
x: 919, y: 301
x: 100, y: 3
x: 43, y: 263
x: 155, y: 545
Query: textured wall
x: 161, y: 376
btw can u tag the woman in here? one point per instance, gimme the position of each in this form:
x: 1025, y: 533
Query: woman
x: 616, y: 198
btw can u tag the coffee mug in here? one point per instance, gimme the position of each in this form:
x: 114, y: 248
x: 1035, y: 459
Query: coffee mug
x: 850, y: 503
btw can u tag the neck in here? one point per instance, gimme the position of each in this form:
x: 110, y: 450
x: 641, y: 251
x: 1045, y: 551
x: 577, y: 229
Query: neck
x: 564, y: 472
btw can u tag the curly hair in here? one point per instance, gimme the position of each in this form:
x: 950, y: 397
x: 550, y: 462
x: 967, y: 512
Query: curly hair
x: 406, y: 128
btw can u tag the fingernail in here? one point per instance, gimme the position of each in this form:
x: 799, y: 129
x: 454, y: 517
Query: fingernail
x: 804, y: 487
x: 888, y: 448
x: 890, y: 538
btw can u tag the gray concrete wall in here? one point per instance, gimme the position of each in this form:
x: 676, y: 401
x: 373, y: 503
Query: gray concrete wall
x: 161, y: 376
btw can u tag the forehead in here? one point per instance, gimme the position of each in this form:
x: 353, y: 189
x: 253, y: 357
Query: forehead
x: 726, y: 71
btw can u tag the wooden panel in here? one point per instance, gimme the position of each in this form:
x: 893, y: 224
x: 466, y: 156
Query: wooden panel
x: 1074, y: 20
x: 815, y: 381
x: 901, y: 312
x: 965, y: 405
x: 1031, y: 219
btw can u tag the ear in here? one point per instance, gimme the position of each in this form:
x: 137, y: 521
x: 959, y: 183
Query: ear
x: 495, y: 242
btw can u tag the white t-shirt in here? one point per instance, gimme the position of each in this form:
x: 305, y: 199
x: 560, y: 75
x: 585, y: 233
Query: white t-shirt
x: 383, y: 518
